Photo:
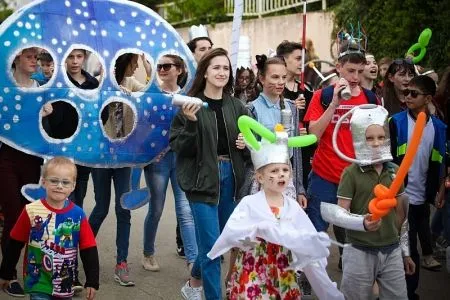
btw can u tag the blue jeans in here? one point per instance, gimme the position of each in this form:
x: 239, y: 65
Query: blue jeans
x: 319, y: 190
x: 102, y: 189
x: 79, y: 193
x: 157, y: 177
x: 41, y: 296
x: 209, y: 221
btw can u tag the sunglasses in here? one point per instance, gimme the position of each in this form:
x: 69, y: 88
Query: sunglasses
x: 402, y: 61
x: 413, y: 93
x: 165, y: 67
x: 55, y: 182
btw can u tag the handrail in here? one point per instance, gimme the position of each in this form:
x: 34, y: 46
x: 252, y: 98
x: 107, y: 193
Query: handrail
x: 252, y: 8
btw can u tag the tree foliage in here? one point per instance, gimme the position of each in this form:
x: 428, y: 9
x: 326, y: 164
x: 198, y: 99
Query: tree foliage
x: 191, y: 11
x: 4, y: 11
x: 393, y: 26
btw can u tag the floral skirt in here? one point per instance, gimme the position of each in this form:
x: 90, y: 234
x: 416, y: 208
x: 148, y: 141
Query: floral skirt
x: 260, y: 273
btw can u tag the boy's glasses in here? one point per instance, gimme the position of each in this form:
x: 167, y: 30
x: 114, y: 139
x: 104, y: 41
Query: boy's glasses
x: 56, y: 181
x: 165, y: 67
x: 413, y: 93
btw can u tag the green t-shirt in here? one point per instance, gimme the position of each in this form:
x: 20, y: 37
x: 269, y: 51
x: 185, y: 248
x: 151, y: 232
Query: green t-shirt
x: 357, y: 185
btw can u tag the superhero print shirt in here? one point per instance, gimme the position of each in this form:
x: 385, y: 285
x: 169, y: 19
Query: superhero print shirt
x: 53, y: 237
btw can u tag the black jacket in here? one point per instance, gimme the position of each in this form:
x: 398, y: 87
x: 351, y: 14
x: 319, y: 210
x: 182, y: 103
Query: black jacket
x: 196, y: 146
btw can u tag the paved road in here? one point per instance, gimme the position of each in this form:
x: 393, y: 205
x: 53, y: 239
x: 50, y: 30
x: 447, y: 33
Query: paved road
x: 166, y: 284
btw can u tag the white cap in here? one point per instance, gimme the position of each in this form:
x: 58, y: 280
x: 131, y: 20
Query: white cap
x: 198, y: 32
x: 272, y: 153
x: 244, y: 59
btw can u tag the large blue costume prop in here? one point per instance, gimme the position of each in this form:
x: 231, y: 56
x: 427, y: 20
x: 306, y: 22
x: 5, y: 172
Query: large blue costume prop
x: 107, y: 28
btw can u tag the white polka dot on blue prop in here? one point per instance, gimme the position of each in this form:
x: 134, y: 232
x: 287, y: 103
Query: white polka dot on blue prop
x: 106, y: 29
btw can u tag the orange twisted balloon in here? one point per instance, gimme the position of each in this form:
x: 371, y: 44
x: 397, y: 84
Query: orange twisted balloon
x: 384, y: 199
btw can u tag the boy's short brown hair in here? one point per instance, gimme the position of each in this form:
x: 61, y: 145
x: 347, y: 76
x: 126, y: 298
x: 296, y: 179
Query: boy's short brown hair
x: 59, y: 161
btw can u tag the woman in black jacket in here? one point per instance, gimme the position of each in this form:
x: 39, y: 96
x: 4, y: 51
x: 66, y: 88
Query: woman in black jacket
x: 210, y: 165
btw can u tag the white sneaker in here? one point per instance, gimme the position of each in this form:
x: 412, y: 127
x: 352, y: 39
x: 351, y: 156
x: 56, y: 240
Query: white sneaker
x: 149, y: 263
x: 191, y: 293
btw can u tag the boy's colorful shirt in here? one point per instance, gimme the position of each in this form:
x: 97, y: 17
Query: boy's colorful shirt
x: 53, y: 237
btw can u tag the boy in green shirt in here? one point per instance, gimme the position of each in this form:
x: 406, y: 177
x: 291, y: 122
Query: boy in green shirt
x: 376, y: 249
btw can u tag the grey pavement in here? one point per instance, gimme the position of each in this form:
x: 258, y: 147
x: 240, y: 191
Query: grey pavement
x: 166, y: 284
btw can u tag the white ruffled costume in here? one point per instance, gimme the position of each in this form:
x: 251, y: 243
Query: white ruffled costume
x: 253, y: 218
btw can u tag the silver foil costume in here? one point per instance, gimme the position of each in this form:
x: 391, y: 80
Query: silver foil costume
x: 364, y: 116
x: 341, y: 217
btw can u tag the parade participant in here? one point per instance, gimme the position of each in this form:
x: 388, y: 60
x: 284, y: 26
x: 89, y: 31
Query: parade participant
x: 47, y: 275
x: 85, y: 81
x: 432, y: 106
x: 440, y: 226
x: 18, y: 168
x: 199, y: 41
x: 383, y: 66
x: 395, y: 82
x: 245, y: 86
x: 426, y: 173
x: 326, y: 107
x: 273, y: 233
x: 47, y: 67
x: 126, y: 66
x: 270, y: 108
x: 170, y: 69
x: 370, y: 74
x: 292, y: 54
x: 118, y: 119
x: 374, y: 254
x: 210, y: 163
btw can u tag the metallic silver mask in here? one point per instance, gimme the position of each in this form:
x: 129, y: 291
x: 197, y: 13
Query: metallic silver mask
x: 364, y: 116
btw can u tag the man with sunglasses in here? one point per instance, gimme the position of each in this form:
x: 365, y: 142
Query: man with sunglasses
x: 426, y: 173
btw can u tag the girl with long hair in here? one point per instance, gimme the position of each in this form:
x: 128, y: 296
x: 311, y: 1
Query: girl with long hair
x: 210, y: 163
x: 396, y: 80
x: 170, y: 69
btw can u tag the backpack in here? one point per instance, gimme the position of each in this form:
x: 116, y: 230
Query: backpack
x: 327, y: 96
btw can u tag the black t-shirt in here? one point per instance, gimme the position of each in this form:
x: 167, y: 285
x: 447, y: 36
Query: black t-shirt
x: 222, y: 143
x: 292, y: 95
x: 89, y: 84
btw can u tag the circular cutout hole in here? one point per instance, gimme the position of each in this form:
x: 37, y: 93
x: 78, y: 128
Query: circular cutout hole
x: 132, y: 72
x: 171, y: 73
x: 84, y: 69
x: 62, y: 122
x: 118, y: 120
x: 32, y: 67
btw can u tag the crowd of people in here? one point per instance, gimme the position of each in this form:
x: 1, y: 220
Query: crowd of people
x: 267, y: 207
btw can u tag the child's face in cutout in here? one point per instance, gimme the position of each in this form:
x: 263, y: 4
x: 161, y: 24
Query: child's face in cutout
x: 47, y: 68
x: 59, y: 182
x: 375, y: 136
x: 274, y: 177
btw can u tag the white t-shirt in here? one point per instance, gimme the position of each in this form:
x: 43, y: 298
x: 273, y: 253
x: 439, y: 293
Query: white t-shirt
x: 417, y: 174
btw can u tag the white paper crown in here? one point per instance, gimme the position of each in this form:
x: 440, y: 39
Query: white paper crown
x: 272, y: 153
x: 198, y: 32
x: 244, y: 59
